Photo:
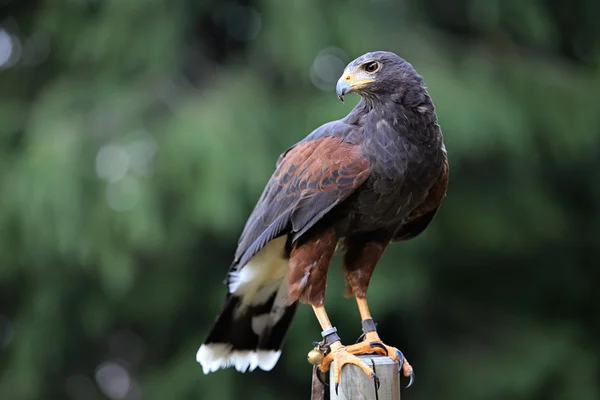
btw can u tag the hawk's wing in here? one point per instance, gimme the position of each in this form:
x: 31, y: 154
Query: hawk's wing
x: 311, y: 178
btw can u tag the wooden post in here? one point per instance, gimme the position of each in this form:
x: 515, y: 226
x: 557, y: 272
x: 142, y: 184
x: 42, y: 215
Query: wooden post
x: 355, y: 384
x: 317, y: 389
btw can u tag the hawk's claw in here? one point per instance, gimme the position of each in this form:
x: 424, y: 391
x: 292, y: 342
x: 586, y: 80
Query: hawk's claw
x: 400, y: 360
x: 381, y: 346
x: 337, y: 386
x: 412, y: 378
x: 409, y: 372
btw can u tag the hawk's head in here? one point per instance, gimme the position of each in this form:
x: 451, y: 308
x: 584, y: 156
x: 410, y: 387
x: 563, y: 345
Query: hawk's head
x: 375, y: 74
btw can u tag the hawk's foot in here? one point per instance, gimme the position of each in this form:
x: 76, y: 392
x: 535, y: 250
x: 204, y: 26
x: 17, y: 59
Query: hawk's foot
x: 373, y: 344
x: 340, y: 356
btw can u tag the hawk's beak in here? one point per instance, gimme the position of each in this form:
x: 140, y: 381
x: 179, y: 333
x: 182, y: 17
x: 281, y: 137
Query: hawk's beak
x: 351, y: 82
x: 343, y: 87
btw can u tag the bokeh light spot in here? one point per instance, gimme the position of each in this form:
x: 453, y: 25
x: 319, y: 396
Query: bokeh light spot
x: 113, y: 380
x: 112, y: 163
x: 6, y: 48
x: 327, y: 68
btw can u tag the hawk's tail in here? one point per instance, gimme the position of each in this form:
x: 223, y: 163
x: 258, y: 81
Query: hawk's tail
x: 248, y: 336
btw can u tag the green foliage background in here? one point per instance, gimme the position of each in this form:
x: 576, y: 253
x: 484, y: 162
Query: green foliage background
x: 135, y: 137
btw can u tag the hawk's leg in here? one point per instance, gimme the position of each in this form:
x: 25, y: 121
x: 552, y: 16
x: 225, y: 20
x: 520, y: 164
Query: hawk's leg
x: 338, y: 353
x: 307, y: 275
x: 359, y: 262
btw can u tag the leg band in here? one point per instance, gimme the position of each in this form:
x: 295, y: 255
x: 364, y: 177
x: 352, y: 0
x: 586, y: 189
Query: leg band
x: 368, y: 325
x: 330, y: 335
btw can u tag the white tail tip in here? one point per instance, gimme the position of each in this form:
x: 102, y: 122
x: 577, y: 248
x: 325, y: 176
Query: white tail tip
x: 214, y: 356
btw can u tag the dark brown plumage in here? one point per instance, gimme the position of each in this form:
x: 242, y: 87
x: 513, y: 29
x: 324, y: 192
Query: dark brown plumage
x: 377, y: 176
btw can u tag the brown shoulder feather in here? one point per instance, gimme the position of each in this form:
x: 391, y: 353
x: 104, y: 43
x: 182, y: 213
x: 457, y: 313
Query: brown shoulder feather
x: 310, y: 179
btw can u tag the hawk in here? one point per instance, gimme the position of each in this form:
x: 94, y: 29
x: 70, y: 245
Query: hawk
x: 375, y: 177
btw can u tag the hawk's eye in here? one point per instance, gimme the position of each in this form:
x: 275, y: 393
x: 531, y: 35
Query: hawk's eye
x: 372, y: 67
